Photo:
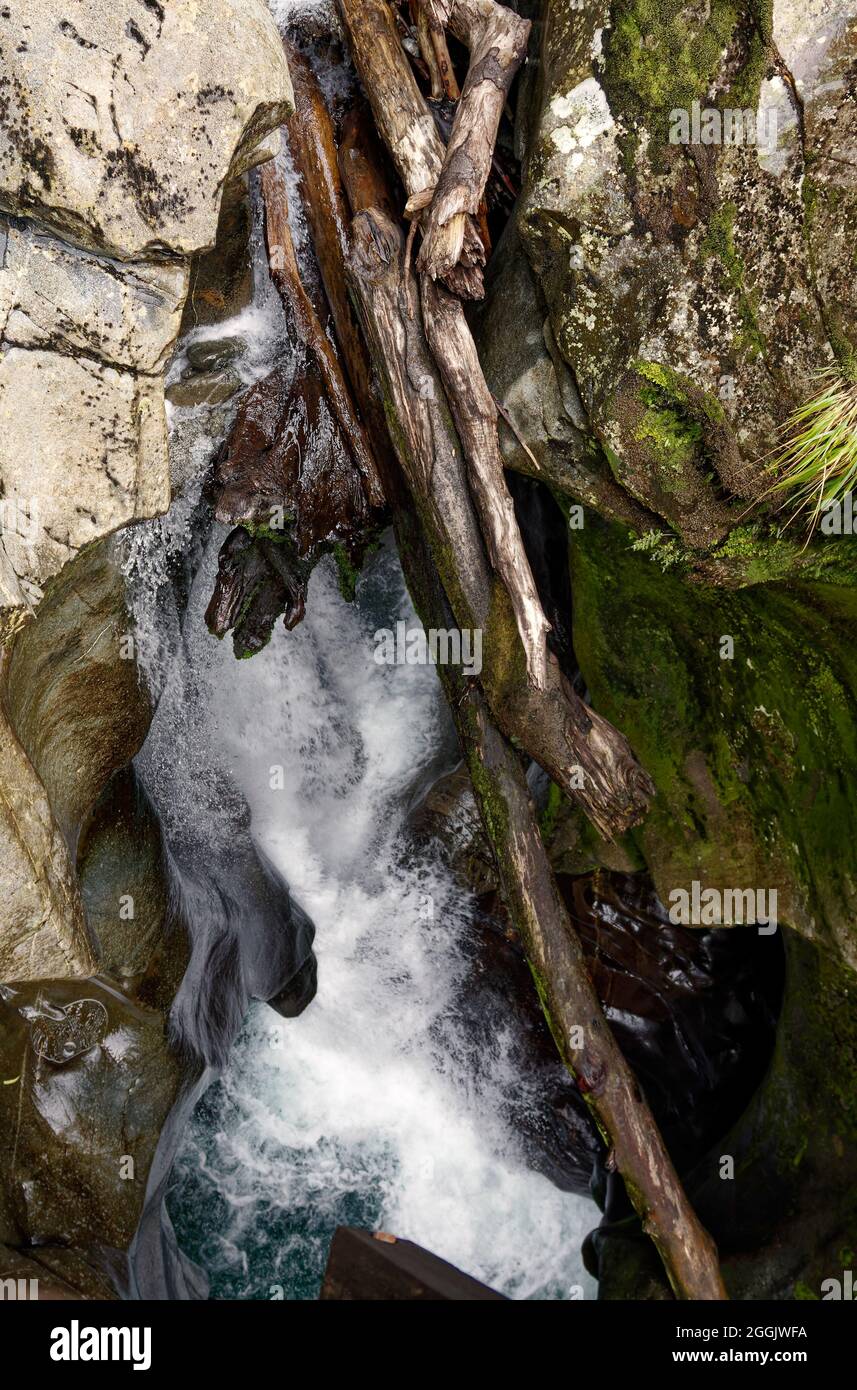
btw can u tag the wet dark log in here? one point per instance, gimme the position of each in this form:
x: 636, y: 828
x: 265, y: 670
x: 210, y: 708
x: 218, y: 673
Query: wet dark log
x: 286, y: 276
x: 313, y: 148
x: 407, y: 127
x: 582, y: 752
x: 298, y: 457
x: 285, y: 465
x: 373, y: 1265
x: 257, y: 580
x: 497, y: 39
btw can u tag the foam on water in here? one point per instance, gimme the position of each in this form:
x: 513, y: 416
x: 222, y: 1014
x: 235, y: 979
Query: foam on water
x: 372, y: 1108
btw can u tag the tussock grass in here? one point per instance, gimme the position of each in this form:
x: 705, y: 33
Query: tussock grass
x: 816, y: 461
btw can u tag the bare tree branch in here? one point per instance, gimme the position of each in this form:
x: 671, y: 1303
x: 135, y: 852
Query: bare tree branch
x: 408, y: 129
x: 497, y: 39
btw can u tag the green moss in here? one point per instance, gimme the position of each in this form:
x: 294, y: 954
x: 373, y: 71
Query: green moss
x: 660, y: 58
x: 683, y: 392
x: 260, y: 530
x: 802, y: 1292
x: 550, y: 813
x: 347, y: 574
x: 675, y: 438
x: 754, y: 760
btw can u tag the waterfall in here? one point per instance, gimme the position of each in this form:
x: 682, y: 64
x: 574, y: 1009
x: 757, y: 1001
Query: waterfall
x: 372, y: 1108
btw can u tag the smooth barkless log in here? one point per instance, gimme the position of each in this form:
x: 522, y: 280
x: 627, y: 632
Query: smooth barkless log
x: 476, y: 420
x: 475, y: 417
x: 497, y: 39
x: 589, y: 759
x: 408, y: 129
x: 581, y: 1032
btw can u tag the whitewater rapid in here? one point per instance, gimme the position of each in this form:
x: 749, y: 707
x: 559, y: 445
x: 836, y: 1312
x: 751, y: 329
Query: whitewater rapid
x: 371, y: 1108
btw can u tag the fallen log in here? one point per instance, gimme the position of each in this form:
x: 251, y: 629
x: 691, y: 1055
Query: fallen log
x: 475, y: 417
x: 497, y: 39
x: 429, y: 498
x: 572, y: 1008
x: 583, y: 753
x: 285, y: 274
x: 472, y: 405
x: 408, y: 129
x: 313, y: 149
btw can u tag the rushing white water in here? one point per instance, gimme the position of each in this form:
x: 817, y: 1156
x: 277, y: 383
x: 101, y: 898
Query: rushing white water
x: 371, y: 1108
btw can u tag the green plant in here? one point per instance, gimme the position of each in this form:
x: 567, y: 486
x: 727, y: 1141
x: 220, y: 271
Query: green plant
x: 816, y: 463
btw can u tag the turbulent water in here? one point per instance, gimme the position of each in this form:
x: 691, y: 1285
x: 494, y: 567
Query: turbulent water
x: 370, y: 1109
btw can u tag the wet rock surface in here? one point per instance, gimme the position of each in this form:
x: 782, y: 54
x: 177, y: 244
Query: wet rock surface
x: 122, y: 130
x: 695, y: 1013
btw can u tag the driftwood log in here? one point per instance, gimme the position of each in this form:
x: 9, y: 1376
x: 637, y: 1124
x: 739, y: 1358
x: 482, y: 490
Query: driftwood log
x: 497, y: 39
x: 452, y: 344
x: 475, y: 417
x: 407, y: 127
x: 589, y: 759
x: 432, y: 41
x: 316, y: 159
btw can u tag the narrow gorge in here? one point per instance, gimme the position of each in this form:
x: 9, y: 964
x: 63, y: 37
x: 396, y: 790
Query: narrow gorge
x: 427, y: 676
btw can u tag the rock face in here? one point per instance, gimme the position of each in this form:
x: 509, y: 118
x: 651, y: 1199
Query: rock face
x: 82, y: 341
x: 121, y: 129
x: 124, y: 122
x: 124, y: 971
x: 695, y: 278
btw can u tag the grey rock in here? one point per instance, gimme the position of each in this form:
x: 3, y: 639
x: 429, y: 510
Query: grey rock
x: 126, y: 120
